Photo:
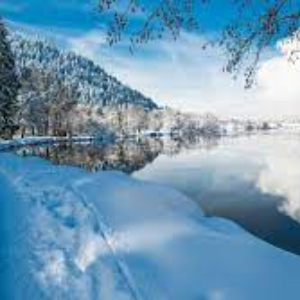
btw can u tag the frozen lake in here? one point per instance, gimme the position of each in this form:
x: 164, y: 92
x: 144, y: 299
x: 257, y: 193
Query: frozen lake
x: 252, y: 180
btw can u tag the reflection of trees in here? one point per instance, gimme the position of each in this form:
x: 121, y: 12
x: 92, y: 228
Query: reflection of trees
x: 176, y: 145
x: 127, y: 156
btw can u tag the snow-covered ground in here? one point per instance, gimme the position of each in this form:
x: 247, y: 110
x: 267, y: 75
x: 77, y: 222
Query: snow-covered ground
x: 39, y: 140
x: 68, y: 234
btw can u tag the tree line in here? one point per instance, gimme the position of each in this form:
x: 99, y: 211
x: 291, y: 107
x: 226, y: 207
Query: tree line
x: 256, y: 25
x: 9, y: 86
x: 46, y: 104
x: 32, y: 101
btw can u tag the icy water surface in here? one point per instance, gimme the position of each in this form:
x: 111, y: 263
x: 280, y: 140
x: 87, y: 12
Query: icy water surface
x: 252, y: 180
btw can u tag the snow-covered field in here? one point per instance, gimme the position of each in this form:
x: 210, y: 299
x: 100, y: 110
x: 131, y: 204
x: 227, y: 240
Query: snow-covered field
x: 68, y: 234
x: 39, y: 140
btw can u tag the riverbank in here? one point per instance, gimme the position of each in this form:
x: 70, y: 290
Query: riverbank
x: 7, y: 145
x: 69, y: 234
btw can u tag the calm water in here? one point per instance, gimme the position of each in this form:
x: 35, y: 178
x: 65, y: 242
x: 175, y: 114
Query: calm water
x: 252, y: 180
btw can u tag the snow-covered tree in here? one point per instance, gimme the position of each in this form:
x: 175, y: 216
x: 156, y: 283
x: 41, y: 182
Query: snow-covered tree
x: 8, y: 87
x: 61, y: 107
x: 63, y: 94
x: 91, y: 84
x: 47, y: 104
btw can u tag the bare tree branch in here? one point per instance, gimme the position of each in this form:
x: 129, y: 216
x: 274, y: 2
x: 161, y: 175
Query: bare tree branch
x: 257, y: 25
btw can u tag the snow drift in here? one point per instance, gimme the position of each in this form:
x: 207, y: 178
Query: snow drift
x: 68, y: 234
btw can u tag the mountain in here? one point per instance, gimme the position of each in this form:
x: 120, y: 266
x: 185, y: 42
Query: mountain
x: 66, y: 94
x: 91, y: 83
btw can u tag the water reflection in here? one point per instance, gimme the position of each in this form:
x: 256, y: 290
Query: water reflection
x: 281, y: 176
x: 126, y: 156
x: 253, y: 180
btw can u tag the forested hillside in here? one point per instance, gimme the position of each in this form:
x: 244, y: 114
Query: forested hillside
x: 64, y: 94
x: 8, y: 86
x: 89, y: 81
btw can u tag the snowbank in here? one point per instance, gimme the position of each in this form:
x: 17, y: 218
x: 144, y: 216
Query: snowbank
x: 39, y: 140
x: 67, y: 234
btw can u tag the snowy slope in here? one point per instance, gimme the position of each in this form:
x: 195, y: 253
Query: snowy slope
x: 67, y: 234
x: 90, y: 83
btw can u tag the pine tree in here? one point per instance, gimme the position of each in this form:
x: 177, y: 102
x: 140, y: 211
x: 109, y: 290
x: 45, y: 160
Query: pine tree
x: 8, y: 87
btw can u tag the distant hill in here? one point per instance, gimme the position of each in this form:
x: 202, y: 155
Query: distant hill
x: 66, y: 94
x: 91, y: 83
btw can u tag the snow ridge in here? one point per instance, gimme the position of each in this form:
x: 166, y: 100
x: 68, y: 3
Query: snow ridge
x: 64, y: 224
x: 72, y: 235
x: 104, y: 229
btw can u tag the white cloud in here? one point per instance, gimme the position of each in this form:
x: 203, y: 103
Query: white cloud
x: 88, y: 45
x: 281, y: 174
x: 182, y: 75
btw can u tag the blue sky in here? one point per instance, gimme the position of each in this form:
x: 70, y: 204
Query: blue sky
x: 177, y: 74
x: 67, y: 15
x: 80, y: 15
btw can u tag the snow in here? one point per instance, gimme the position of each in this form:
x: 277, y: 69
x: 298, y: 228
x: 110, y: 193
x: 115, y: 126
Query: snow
x: 67, y: 234
x: 89, y: 82
x: 40, y: 140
